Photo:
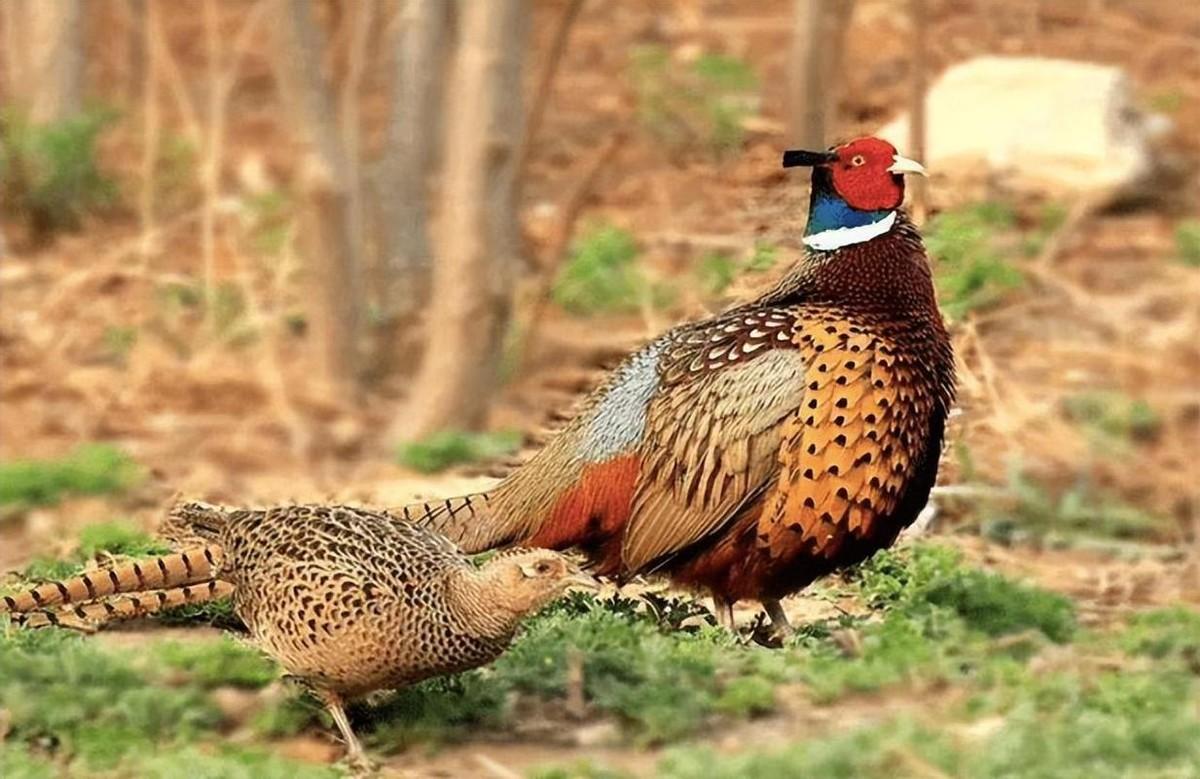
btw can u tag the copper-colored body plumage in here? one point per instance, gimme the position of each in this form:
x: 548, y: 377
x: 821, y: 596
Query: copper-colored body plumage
x: 347, y: 600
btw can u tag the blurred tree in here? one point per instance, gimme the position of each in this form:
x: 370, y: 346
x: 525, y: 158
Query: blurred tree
x: 918, y: 194
x: 326, y: 192
x: 402, y: 192
x: 44, y: 56
x: 818, y: 38
x: 480, y: 243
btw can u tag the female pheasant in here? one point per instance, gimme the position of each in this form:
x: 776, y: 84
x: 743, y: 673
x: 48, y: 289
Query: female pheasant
x: 347, y: 600
x: 752, y: 452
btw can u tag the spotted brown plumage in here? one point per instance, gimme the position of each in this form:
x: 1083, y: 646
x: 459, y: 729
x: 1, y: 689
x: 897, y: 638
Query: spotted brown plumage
x: 347, y: 600
x: 751, y: 452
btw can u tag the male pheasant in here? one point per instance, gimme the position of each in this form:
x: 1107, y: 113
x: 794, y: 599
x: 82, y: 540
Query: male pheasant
x: 754, y: 451
x: 347, y: 600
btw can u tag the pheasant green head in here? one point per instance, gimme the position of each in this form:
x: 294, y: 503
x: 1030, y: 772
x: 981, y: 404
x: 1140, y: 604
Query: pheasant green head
x: 856, y: 188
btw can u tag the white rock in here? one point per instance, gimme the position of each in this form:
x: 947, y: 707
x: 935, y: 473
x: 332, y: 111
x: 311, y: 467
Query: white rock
x: 1048, y: 126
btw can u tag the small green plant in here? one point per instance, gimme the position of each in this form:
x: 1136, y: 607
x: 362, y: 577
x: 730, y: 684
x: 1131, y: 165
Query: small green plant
x: 1167, y: 101
x: 49, y: 174
x: 716, y: 271
x: 63, y: 690
x: 701, y: 103
x: 1187, y: 242
x: 117, y: 538
x: 176, y: 182
x: 1031, y: 511
x: 1169, y: 634
x: 119, y: 341
x: 224, y: 662
x: 269, y: 221
x: 971, y: 270
x: 454, y: 447
x: 764, y: 258
x: 601, y: 275
x: 1112, y: 417
x: 92, y: 469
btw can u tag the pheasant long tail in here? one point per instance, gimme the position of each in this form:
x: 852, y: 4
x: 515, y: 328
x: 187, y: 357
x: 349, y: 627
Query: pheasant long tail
x: 455, y: 518
x: 157, y: 573
x: 91, y: 615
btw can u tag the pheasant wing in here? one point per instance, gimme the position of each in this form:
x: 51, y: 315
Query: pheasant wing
x: 712, y: 431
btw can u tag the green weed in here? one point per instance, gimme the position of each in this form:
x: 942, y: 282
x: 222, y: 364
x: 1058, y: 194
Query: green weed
x: 453, y: 447
x: 1112, y: 417
x: 61, y: 689
x: 117, y: 538
x: 118, y: 341
x: 92, y: 469
x: 900, y: 749
x: 49, y: 174
x: 1131, y: 725
x: 581, y: 769
x: 17, y: 763
x: 1032, y: 511
x: 227, y: 762
x: 972, y: 271
x: 269, y: 220
x: 1170, y: 634
x: 716, y: 271
x: 703, y: 103
x: 911, y: 581
x: 225, y: 662
x: 601, y: 275
x: 1167, y: 101
x: 1187, y: 242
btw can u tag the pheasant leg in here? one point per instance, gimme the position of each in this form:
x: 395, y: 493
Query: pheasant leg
x: 779, y: 620
x: 356, y: 756
x: 724, y: 612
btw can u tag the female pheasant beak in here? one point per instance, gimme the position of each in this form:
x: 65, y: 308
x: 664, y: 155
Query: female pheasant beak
x: 905, y: 165
x: 582, y: 580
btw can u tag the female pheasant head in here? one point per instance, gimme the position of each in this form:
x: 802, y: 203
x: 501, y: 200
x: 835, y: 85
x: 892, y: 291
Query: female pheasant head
x: 856, y: 188
x: 524, y: 580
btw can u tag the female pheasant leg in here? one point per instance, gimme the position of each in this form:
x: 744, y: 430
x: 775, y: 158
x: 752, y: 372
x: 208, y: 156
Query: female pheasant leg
x: 356, y: 756
x: 779, y: 619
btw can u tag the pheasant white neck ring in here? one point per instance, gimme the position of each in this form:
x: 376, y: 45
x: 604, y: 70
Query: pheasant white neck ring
x: 838, y: 237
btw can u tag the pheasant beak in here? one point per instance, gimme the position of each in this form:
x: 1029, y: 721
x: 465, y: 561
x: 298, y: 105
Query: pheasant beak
x: 796, y: 158
x: 583, y: 580
x: 905, y: 165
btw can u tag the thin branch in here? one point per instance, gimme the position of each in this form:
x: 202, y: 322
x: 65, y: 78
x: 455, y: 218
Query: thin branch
x: 545, y: 84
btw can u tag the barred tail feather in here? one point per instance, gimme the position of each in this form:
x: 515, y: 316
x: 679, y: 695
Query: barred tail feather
x: 88, y: 616
x: 165, y: 572
x: 459, y: 519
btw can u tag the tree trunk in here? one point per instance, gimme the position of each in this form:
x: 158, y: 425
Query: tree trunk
x: 46, y: 48
x: 480, y: 243
x: 406, y: 257
x: 818, y: 37
x: 327, y: 239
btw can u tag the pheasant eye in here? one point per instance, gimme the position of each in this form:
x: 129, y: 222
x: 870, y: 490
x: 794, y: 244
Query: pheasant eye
x: 858, y: 160
x: 542, y: 567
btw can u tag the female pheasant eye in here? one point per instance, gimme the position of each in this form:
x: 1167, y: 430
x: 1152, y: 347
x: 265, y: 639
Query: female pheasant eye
x: 542, y: 568
x: 857, y: 160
